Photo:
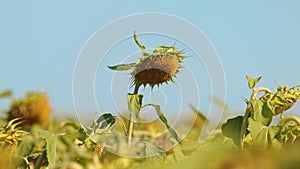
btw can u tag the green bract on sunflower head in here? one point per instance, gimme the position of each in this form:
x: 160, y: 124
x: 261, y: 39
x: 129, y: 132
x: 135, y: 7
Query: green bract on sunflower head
x: 154, y: 69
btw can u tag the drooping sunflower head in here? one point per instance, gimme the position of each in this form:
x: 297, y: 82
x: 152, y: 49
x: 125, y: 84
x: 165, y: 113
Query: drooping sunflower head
x: 35, y: 108
x: 154, y: 69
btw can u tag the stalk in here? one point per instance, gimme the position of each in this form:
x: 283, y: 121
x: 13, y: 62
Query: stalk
x: 248, y: 114
x: 40, y: 160
x: 130, y: 119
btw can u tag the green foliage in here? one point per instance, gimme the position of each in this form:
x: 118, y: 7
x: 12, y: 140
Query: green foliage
x: 290, y: 129
x: 151, y: 69
x: 123, y: 67
x: 142, y: 47
x: 252, y: 81
x: 45, y: 148
x: 261, y: 112
x: 51, y: 141
x: 232, y: 129
x: 134, y: 104
x: 165, y: 121
x: 258, y: 132
x: 105, y: 121
x: 104, y: 124
x: 69, y: 144
x: 255, y: 124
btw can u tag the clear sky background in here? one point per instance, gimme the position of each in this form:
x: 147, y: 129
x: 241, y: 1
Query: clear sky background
x: 41, y: 40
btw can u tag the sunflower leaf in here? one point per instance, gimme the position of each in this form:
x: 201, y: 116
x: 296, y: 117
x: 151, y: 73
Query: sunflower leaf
x: 252, y: 82
x: 142, y: 47
x: 261, y: 112
x: 51, y: 140
x: 106, y: 120
x: 165, y: 121
x: 232, y: 129
x: 122, y: 67
x: 134, y: 104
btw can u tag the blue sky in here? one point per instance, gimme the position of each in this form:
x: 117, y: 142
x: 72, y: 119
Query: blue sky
x: 41, y: 40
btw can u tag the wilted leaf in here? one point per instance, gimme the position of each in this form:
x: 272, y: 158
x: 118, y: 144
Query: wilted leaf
x: 122, y: 67
x: 87, y: 130
x: 102, y: 125
x: 232, y: 129
x: 252, y: 82
x: 142, y: 47
x: 106, y: 120
x: 291, y: 133
x: 134, y: 104
x: 160, y: 114
x: 165, y: 121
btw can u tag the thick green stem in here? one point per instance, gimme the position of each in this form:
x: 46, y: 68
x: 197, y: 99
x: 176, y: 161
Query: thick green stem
x: 130, y: 129
x: 248, y: 114
x: 130, y: 119
x: 40, y: 160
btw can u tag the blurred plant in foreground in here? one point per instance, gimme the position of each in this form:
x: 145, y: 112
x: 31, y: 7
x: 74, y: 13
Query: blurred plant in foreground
x: 35, y: 108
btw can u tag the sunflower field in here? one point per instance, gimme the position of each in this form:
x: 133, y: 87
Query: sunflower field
x: 30, y: 138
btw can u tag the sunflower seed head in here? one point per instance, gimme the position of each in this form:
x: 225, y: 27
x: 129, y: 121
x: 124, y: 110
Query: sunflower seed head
x: 35, y: 108
x: 154, y: 69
